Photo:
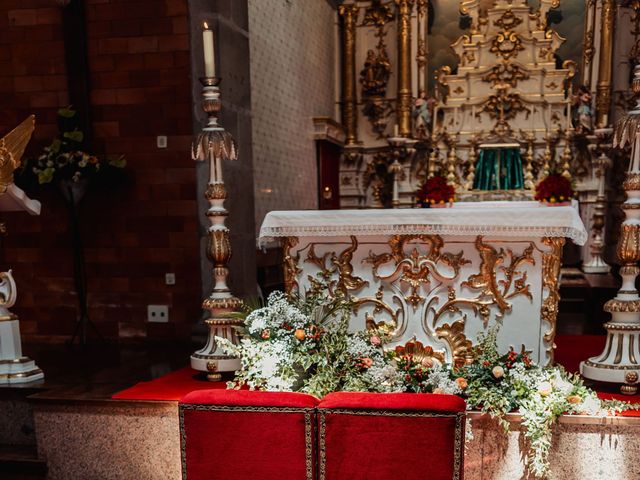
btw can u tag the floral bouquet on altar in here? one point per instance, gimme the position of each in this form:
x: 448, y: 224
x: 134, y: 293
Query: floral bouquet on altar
x: 304, y: 344
x: 435, y: 192
x: 555, y: 189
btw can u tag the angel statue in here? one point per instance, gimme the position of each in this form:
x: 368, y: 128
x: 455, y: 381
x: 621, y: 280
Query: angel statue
x: 583, y: 116
x: 12, y: 147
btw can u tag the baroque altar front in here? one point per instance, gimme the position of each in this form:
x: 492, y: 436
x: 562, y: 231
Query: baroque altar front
x: 435, y: 276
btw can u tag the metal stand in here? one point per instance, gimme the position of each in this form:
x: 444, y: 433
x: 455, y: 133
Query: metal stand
x: 84, y: 323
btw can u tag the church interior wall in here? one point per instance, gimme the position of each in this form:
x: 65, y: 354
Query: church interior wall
x: 134, y: 231
x: 292, y: 79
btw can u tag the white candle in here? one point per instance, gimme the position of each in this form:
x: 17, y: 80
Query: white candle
x: 209, y: 56
x: 395, y: 130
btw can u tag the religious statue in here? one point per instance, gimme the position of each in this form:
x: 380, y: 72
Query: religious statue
x: 375, y: 74
x: 583, y: 115
x: 423, y: 114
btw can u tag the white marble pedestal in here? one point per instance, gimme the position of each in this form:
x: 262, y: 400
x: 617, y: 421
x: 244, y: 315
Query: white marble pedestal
x: 14, y: 367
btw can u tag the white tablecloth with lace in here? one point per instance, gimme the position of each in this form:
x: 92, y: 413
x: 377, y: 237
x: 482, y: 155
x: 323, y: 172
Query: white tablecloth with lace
x: 509, y: 219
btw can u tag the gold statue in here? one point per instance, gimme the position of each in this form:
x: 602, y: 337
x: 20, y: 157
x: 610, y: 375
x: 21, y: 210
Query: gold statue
x: 12, y: 147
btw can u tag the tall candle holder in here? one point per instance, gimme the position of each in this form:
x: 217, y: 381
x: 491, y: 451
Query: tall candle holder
x: 620, y: 361
x: 215, y: 144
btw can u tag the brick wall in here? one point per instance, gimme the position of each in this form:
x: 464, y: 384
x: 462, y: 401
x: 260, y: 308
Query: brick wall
x: 136, y: 231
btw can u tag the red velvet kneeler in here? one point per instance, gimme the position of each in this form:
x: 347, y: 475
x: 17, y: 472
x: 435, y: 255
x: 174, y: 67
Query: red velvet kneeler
x: 241, y: 435
x: 378, y: 436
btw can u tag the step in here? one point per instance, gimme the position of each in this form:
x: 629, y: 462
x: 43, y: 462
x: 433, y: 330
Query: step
x: 21, y: 461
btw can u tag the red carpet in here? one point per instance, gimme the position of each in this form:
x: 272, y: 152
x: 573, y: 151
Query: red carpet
x: 570, y: 351
x: 172, y: 386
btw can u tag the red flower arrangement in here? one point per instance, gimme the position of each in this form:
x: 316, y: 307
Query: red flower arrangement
x: 554, y: 189
x: 435, y: 191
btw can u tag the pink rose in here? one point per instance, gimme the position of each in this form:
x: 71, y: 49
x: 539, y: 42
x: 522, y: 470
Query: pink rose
x: 375, y: 340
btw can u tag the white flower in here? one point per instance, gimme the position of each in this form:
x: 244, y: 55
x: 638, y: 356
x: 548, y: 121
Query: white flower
x: 498, y: 371
x: 545, y: 388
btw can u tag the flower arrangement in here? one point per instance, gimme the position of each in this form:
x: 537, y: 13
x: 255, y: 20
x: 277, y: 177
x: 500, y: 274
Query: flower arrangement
x: 435, y: 191
x: 554, y: 189
x: 64, y: 159
x: 295, y: 344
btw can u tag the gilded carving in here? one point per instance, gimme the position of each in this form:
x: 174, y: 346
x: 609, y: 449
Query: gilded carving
x: 589, y: 48
x: 330, y: 264
x: 420, y: 353
x: 460, y: 346
x: 504, y: 106
x: 514, y: 281
x: 551, y: 263
x: 290, y: 262
x: 506, y: 74
x: 415, y: 268
x: 377, y: 14
x: 508, y: 20
x: 629, y: 245
x: 216, y: 191
x: 506, y: 44
x: 349, y: 15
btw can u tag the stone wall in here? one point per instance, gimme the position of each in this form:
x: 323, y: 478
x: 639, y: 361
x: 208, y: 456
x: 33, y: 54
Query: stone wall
x: 292, y: 78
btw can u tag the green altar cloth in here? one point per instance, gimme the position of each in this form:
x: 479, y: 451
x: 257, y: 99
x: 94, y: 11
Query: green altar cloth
x: 499, y: 169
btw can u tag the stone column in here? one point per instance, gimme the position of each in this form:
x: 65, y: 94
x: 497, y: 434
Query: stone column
x: 403, y: 101
x: 605, y: 63
x: 349, y: 15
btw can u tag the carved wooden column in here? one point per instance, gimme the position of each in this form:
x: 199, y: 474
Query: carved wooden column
x: 403, y: 102
x: 605, y: 63
x: 423, y: 46
x: 349, y: 15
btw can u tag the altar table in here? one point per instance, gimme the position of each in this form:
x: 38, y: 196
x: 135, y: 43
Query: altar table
x: 437, y: 277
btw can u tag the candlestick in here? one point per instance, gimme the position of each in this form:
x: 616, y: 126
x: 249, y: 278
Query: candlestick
x: 395, y: 130
x: 209, y: 54
x: 216, y: 145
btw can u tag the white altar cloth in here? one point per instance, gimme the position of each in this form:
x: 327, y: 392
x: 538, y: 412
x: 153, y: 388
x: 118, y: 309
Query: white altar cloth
x: 510, y: 219
x: 440, y: 276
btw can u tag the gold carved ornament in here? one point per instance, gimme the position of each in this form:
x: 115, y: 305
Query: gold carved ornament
x: 460, y: 346
x: 415, y: 269
x: 498, y: 291
x: 12, y: 147
x: 290, y: 262
x: 506, y: 44
x: 419, y: 353
x: 330, y: 264
x: 508, y: 20
x: 506, y: 74
x: 551, y: 263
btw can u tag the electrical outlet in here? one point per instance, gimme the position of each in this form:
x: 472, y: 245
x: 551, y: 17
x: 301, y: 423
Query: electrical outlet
x: 161, y: 141
x: 169, y: 278
x: 158, y: 313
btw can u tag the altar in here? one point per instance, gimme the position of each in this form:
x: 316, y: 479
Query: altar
x: 437, y: 277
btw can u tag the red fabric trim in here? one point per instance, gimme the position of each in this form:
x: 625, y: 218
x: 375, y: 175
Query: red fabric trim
x: 394, y: 401
x: 245, y: 445
x: 381, y: 448
x: 250, y: 398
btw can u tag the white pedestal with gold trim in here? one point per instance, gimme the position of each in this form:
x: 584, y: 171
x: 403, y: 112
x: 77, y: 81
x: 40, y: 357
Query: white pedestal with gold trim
x: 14, y: 367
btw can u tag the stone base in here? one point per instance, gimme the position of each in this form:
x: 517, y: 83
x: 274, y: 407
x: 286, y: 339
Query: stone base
x: 584, y: 448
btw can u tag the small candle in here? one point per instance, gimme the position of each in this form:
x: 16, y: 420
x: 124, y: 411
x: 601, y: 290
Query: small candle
x: 395, y: 130
x: 209, y: 56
